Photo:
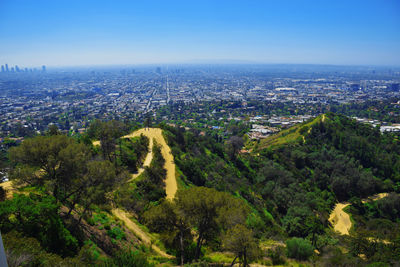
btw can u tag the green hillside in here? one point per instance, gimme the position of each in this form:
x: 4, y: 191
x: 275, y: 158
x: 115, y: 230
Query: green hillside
x: 81, y: 204
x: 292, y: 135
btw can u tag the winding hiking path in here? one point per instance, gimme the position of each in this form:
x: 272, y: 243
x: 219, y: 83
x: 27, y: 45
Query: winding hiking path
x: 147, y: 160
x: 340, y: 220
x: 156, y: 134
x: 170, y: 181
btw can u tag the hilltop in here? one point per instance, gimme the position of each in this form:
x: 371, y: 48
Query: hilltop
x: 293, y: 135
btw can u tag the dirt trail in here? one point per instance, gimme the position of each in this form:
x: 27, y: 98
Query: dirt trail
x: 374, y: 197
x: 124, y: 216
x: 170, y: 182
x: 9, y: 188
x: 156, y: 134
x: 340, y: 220
x: 147, y: 161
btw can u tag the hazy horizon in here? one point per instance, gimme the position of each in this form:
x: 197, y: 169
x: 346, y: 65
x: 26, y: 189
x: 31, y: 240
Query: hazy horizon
x: 89, y: 33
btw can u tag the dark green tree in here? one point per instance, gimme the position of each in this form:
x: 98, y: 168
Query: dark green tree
x: 168, y: 220
x: 241, y: 242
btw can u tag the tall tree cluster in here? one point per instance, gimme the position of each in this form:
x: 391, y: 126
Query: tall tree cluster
x: 65, y: 168
x: 214, y: 215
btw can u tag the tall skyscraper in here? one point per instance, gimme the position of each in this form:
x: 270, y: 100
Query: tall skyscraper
x: 43, y: 68
x: 2, y: 68
x: 16, y: 68
x: 6, y: 67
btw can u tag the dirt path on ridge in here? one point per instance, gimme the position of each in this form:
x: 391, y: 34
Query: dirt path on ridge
x: 156, y: 134
x: 170, y: 182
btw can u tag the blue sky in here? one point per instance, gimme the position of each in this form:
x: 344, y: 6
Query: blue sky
x: 58, y: 32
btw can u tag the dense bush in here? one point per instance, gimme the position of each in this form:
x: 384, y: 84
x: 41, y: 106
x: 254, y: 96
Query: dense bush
x: 37, y: 217
x: 299, y: 248
x: 277, y: 255
x: 127, y: 259
x: 27, y: 251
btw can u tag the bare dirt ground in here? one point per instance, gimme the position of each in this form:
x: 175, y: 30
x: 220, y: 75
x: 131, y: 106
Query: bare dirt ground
x: 9, y: 188
x: 374, y: 197
x: 340, y: 220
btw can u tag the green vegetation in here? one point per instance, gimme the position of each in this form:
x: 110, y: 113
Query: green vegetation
x: 234, y: 204
x: 299, y: 248
x: 294, y: 178
x: 208, y: 211
x: 127, y: 259
x: 37, y: 216
x: 69, y: 182
x: 147, y: 189
x: 289, y: 136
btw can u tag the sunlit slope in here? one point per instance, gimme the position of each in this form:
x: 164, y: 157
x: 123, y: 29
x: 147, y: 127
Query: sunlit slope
x: 292, y: 135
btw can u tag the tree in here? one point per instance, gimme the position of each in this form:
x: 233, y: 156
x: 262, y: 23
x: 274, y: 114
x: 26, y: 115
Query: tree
x: 99, y: 179
x: 37, y: 216
x: 57, y: 162
x: 107, y: 141
x: 241, y: 242
x: 147, y: 121
x: 64, y: 167
x: 53, y: 130
x: 235, y: 143
x: 107, y: 132
x: 202, y: 207
x: 168, y: 220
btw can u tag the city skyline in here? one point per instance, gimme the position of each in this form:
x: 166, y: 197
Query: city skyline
x: 71, y: 33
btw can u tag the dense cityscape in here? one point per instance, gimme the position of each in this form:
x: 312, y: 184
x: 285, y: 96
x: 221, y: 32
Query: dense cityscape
x: 32, y: 99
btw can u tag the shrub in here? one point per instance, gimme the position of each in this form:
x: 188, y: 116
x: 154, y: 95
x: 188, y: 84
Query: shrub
x: 26, y: 251
x: 37, y: 216
x: 299, y: 248
x: 127, y: 259
x: 116, y: 233
x: 277, y: 255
